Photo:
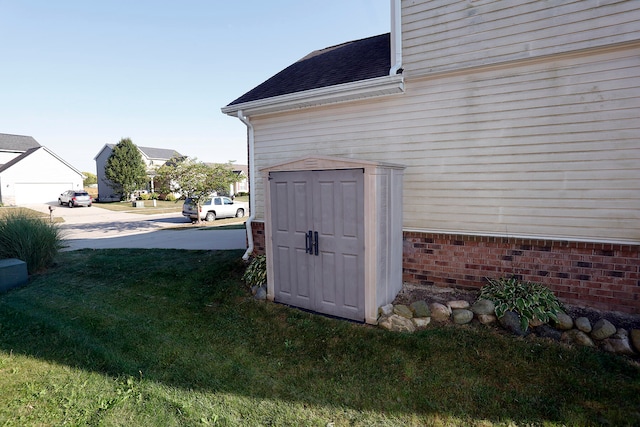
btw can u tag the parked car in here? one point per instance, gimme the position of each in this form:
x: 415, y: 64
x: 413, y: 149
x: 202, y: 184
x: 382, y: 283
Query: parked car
x: 74, y: 198
x: 213, y: 208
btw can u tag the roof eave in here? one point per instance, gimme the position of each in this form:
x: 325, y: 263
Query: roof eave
x: 379, y: 86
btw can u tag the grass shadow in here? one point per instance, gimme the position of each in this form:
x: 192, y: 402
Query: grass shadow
x: 183, y: 319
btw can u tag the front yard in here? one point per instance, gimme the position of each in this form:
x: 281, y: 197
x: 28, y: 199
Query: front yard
x: 168, y: 337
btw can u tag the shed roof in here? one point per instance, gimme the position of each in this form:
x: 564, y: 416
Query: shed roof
x: 18, y: 143
x: 344, y: 63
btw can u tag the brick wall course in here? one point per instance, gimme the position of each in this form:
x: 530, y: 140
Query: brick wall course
x: 598, y: 275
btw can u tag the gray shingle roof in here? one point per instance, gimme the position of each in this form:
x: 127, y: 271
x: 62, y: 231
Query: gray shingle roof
x: 17, y: 159
x: 19, y: 143
x: 345, y: 63
x: 159, y: 153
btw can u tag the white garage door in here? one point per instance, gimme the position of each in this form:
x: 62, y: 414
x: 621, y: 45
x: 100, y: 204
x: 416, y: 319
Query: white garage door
x: 29, y: 193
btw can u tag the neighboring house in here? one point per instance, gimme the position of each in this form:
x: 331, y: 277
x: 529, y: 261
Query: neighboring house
x: 31, y: 173
x: 241, y: 185
x: 242, y: 182
x: 153, y: 158
x: 518, y: 124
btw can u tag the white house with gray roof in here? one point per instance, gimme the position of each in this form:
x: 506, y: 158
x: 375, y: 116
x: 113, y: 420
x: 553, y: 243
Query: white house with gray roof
x: 31, y: 173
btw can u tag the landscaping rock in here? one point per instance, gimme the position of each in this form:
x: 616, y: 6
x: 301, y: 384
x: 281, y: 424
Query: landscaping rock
x: 486, y: 319
x: 635, y: 339
x: 439, y: 312
x: 583, y: 324
x: 483, y: 307
x: 403, y: 310
x: 564, y: 322
x: 575, y: 336
x: 261, y: 293
x: 603, y: 329
x: 621, y: 334
x: 421, y: 322
x: 397, y: 323
x: 386, y: 310
x: 546, y: 331
x: 462, y: 316
x: 511, y: 322
x: 457, y: 304
x: 420, y: 309
x: 618, y: 343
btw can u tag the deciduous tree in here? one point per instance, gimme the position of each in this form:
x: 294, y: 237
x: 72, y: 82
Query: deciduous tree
x: 195, y: 180
x: 90, y: 179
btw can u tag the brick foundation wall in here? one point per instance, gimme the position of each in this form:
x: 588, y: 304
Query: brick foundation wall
x: 596, y: 275
x: 258, y: 238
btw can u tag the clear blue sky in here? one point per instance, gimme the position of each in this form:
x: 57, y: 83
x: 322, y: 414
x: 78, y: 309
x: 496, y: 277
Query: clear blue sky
x: 78, y: 74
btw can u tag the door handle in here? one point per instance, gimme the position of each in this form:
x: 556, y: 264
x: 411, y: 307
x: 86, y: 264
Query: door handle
x: 311, y: 242
x: 308, y: 242
x: 315, y: 245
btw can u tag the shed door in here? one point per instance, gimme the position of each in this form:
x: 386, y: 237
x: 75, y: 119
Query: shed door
x: 318, y: 240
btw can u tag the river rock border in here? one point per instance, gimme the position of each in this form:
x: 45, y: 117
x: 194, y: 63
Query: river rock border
x: 580, y: 331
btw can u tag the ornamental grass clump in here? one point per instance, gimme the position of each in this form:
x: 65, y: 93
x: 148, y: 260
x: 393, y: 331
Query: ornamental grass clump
x: 531, y: 301
x: 29, y: 238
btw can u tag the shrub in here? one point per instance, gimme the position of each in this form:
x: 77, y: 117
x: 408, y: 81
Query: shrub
x: 170, y: 197
x: 256, y: 272
x: 145, y: 196
x: 154, y: 196
x: 30, y: 239
x: 241, y: 194
x: 529, y: 300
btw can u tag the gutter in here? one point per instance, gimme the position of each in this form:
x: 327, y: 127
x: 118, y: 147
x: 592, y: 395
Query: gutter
x: 396, y: 38
x: 379, y: 86
x: 252, y: 182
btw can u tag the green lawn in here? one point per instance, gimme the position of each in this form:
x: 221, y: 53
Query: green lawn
x: 172, y: 338
x: 162, y: 206
x: 9, y: 210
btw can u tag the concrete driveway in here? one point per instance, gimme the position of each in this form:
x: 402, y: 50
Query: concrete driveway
x: 97, y: 228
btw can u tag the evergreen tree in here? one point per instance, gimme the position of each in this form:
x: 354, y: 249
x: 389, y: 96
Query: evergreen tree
x: 125, y: 169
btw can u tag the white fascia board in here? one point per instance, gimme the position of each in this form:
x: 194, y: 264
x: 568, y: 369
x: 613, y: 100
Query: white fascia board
x: 379, y: 86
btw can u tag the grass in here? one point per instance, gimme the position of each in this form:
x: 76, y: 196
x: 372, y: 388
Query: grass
x: 162, y: 206
x: 26, y: 212
x: 172, y: 338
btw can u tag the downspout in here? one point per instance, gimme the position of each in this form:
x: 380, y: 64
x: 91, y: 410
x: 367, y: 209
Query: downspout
x: 396, y: 37
x: 252, y: 186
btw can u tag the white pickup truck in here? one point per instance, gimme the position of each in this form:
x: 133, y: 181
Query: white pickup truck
x: 213, y: 208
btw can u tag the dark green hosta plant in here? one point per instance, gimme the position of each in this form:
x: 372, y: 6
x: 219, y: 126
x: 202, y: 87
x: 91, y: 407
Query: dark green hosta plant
x: 256, y: 272
x: 531, y: 301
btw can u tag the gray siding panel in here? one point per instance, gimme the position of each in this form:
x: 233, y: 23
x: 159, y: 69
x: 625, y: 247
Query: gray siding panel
x: 443, y: 35
x: 544, y: 149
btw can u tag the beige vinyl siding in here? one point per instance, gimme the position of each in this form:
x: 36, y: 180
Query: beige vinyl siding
x: 550, y: 149
x: 441, y: 35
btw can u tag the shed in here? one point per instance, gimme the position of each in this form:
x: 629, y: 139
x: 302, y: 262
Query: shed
x: 334, y: 235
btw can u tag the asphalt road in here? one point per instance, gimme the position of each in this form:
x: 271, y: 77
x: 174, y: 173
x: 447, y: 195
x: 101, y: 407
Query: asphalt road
x: 97, y: 228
